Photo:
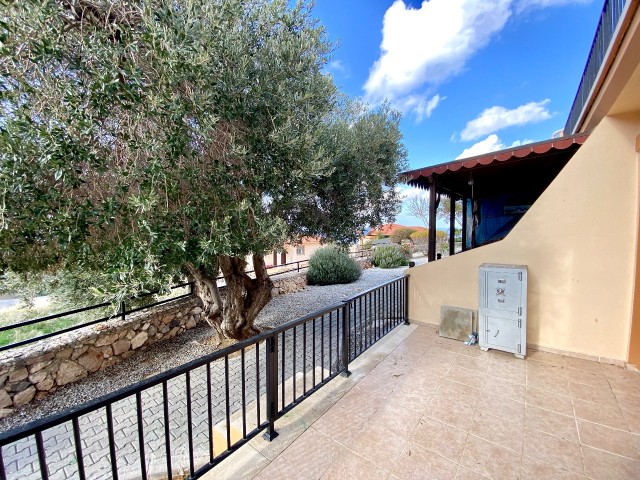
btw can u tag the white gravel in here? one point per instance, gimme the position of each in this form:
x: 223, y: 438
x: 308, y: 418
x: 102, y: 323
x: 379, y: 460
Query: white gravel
x: 191, y: 345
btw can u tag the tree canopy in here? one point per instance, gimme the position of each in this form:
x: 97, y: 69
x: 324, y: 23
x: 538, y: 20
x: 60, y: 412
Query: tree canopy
x: 144, y: 140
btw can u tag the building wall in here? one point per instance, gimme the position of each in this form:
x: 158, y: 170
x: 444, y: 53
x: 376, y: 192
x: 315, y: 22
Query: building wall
x: 578, y: 241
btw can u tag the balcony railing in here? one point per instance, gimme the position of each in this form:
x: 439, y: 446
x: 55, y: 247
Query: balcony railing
x: 183, y: 422
x: 609, y: 19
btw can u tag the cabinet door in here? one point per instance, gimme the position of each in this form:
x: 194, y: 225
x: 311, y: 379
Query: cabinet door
x: 502, y: 333
x: 503, y: 292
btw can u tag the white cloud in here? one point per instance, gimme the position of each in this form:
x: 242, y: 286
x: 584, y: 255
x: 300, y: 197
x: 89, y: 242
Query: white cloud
x: 422, y: 47
x: 490, y: 144
x: 407, y: 193
x: 429, y: 44
x: 496, y: 118
x: 420, y: 105
x: 337, y: 66
x: 523, y: 5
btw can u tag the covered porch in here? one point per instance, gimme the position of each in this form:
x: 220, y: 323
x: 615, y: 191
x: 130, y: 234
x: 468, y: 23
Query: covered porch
x: 492, y: 191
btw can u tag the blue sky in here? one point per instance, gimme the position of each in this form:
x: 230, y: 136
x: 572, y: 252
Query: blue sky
x: 470, y: 76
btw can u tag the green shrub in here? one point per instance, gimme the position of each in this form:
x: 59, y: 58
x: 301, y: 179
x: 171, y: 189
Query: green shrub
x: 389, y: 256
x: 330, y: 265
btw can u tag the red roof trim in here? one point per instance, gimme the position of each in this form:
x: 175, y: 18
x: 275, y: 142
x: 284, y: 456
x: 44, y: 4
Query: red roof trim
x: 499, y: 156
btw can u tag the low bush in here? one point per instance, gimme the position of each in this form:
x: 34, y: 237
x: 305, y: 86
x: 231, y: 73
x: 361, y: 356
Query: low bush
x: 330, y: 265
x: 389, y: 256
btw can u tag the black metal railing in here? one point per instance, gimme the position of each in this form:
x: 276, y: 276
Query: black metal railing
x: 183, y: 422
x: 609, y: 19
x: 122, y: 310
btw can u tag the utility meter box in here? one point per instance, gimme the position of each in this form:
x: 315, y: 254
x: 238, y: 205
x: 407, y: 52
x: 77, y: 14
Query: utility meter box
x: 503, y: 308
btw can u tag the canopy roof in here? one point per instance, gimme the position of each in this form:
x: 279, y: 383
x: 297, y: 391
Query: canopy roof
x: 535, y: 164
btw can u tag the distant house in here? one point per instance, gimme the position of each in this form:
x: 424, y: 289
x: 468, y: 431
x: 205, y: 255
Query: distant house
x: 388, y: 229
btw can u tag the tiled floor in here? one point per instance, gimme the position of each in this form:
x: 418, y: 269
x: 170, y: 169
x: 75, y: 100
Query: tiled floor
x: 421, y: 407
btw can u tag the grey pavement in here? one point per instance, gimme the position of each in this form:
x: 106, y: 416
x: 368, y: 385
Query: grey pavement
x: 298, y: 368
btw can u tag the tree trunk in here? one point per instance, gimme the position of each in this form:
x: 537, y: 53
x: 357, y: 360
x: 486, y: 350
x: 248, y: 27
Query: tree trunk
x: 244, y: 297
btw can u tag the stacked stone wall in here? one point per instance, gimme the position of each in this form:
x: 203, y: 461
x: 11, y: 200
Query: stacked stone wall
x: 37, y: 370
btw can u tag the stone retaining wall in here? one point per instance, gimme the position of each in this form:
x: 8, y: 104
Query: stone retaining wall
x: 37, y: 370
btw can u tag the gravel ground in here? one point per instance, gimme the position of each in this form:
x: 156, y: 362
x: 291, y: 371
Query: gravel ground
x: 191, y: 345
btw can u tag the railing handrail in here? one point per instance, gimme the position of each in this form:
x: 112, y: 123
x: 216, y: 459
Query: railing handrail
x: 607, y: 26
x: 116, y: 314
x: 87, y: 407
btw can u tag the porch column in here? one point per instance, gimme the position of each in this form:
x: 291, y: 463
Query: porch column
x: 464, y: 223
x: 432, y: 219
x: 452, y: 224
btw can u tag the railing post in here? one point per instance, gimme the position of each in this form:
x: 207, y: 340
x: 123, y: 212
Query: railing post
x: 298, y: 262
x: 123, y: 310
x: 272, y: 387
x: 406, y: 300
x: 346, y: 335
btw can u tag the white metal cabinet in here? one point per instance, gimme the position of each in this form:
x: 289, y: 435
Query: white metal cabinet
x: 503, y: 308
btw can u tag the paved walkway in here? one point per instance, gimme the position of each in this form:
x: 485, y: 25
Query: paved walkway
x: 422, y: 407
x: 21, y: 460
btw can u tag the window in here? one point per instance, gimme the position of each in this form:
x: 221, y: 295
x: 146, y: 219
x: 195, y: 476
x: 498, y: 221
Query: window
x: 300, y: 250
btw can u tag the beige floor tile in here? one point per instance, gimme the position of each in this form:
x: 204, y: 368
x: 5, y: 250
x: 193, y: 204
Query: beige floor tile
x: 396, y: 418
x: 548, y: 369
x: 554, y: 384
x: 603, y: 396
x: 379, y: 446
x: 423, y: 381
x: 627, y: 402
x: 539, y: 356
x: 412, y: 397
x: 502, y: 407
x: 477, y: 364
x: 279, y: 468
x: 473, y: 351
x: 553, y: 450
x: 533, y: 469
x: 614, y: 371
x: 499, y: 386
x: 508, y: 359
x: 417, y: 463
x: 439, y: 438
x: 595, y: 379
x: 632, y: 418
x: 636, y: 440
x: 432, y: 367
x: 312, y: 454
x: 448, y: 344
x: 414, y: 345
x: 341, y: 425
x: 627, y: 385
x: 350, y: 466
x: 582, y: 364
x: 511, y: 373
x: 601, y: 465
x: 459, y: 392
x: 362, y: 402
x: 607, y: 439
x: 551, y: 422
x: 595, y: 413
x: 549, y: 401
x: 452, y: 413
x: 440, y: 355
x: 490, y: 460
x: 499, y: 431
x: 468, y: 377
x: 466, y: 474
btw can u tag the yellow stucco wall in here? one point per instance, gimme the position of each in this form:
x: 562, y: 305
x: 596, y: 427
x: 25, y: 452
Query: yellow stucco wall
x: 578, y: 241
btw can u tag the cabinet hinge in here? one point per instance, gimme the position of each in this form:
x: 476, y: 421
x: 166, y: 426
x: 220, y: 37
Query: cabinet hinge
x: 520, y: 276
x: 519, y: 310
x: 519, y: 349
x: 519, y: 323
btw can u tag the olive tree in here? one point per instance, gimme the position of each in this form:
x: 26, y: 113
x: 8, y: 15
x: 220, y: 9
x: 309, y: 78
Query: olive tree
x: 142, y: 141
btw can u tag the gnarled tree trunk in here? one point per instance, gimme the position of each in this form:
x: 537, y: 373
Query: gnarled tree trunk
x: 233, y: 315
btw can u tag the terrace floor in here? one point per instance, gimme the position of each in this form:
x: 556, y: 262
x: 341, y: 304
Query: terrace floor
x: 418, y: 406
